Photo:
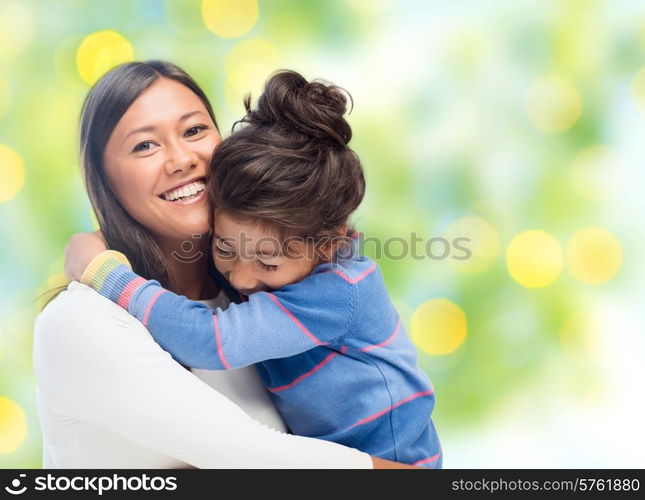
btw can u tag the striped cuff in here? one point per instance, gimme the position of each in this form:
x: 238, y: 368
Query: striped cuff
x: 101, y: 266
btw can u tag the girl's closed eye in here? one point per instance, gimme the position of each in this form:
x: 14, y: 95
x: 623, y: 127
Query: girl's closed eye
x: 268, y: 267
x: 223, y: 253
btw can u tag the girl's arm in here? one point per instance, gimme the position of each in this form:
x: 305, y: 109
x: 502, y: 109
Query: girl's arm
x: 297, y: 318
x: 93, y: 362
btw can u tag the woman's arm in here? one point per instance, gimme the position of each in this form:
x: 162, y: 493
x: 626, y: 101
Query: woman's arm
x: 96, y: 363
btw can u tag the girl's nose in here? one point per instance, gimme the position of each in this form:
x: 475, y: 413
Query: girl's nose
x: 242, y: 280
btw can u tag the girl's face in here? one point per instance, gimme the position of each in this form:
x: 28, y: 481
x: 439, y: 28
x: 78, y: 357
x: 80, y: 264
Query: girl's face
x: 252, y: 259
x: 157, y: 158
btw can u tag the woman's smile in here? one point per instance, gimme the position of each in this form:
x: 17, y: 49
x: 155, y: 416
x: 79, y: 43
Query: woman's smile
x: 187, y: 193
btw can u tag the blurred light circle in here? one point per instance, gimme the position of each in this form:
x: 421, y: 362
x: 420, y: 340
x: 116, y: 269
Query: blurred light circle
x: 248, y: 66
x: 16, y: 28
x: 483, y: 244
x: 638, y: 90
x: 553, y: 104
x: 595, y: 173
x: 5, y: 96
x: 438, y: 327
x: 100, y: 52
x: 12, y: 173
x: 230, y: 18
x: 594, y: 255
x: 534, y: 258
x: 13, y: 426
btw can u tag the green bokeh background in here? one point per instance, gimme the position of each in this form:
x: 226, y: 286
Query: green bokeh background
x: 442, y: 123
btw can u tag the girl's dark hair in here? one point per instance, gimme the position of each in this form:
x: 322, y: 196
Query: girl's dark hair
x: 288, y: 167
x: 104, y: 106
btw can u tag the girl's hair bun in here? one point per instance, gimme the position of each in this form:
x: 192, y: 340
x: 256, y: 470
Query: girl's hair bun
x: 314, y: 109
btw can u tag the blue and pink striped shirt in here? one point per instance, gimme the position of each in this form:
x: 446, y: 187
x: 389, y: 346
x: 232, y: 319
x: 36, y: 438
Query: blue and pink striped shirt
x: 331, y: 349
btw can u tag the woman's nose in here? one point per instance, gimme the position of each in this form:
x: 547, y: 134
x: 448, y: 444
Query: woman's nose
x: 180, y: 158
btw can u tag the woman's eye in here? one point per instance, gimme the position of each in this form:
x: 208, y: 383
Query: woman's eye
x: 195, y: 130
x: 144, y: 146
x: 268, y: 267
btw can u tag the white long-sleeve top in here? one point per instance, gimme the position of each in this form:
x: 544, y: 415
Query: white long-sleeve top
x: 110, y: 397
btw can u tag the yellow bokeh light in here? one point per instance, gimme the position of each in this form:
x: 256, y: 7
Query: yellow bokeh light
x: 579, y: 336
x: 16, y: 28
x: 12, y: 173
x: 230, y: 18
x: 5, y: 96
x: 13, y: 426
x: 638, y: 90
x: 248, y: 66
x: 438, y: 327
x: 594, y: 255
x: 553, y: 104
x: 483, y: 243
x: 534, y: 258
x: 100, y: 52
x: 595, y: 173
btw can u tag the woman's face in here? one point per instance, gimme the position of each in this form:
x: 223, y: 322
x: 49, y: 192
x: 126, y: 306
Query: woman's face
x: 157, y: 158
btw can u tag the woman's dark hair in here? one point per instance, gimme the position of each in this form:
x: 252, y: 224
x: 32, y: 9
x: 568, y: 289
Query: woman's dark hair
x: 288, y: 167
x: 104, y: 106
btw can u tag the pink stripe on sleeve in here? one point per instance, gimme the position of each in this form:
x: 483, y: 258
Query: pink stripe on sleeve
x: 149, y: 308
x: 412, y: 397
x: 433, y: 458
x: 128, y: 291
x: 386, y: 341
x: 295, y: 320
x: 353, y: 281
x: 218, y: 340
x: 310, y: 372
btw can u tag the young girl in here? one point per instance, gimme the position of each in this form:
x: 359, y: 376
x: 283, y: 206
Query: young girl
x: 315, y: 315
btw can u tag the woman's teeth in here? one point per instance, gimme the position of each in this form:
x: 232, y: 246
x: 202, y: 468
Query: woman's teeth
x: 187, y: 191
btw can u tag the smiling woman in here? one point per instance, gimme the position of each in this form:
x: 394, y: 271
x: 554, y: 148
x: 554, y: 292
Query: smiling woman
x: 157, y: 171
x: 135, y: 154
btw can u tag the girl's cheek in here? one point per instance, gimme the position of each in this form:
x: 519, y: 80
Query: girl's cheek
x: 280, y: 279
x: 221, y: 265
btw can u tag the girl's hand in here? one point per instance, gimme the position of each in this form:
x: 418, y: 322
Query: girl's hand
x: 80, y: 250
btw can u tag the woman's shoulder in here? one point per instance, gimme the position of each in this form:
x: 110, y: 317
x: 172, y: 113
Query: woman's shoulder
x: 79, y: 311
x: 78, y: 302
